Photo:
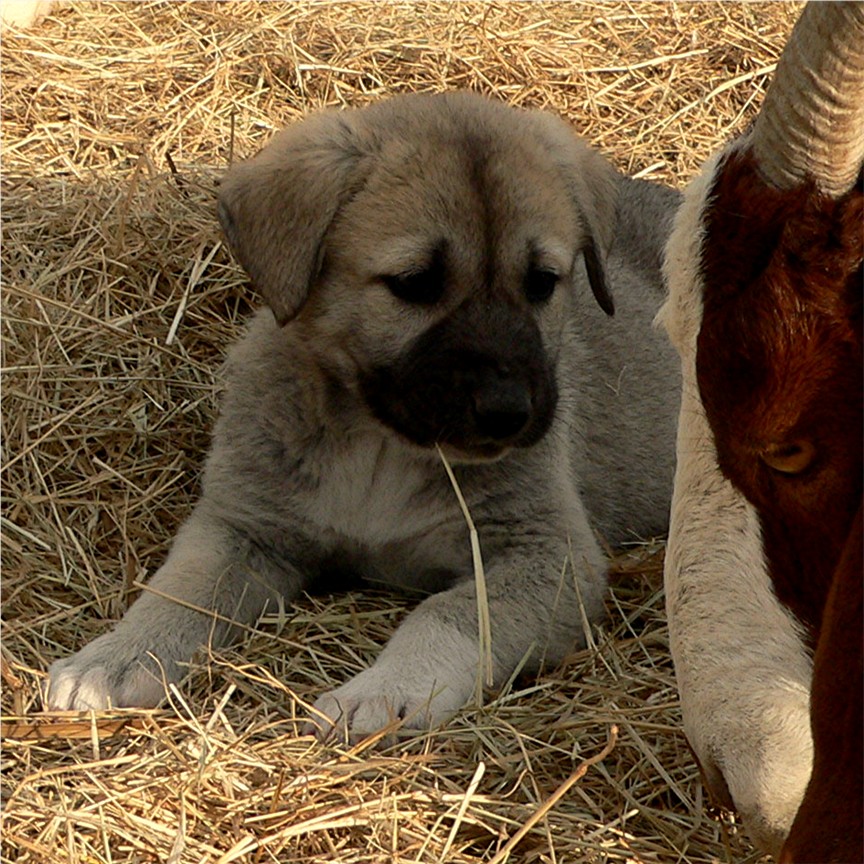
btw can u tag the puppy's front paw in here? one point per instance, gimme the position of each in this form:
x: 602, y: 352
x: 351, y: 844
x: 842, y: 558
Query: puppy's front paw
x: 107, y: 673
x: 384, y: 696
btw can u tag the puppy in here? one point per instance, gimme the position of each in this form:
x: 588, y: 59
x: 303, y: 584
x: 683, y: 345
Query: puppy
x: 440, y: 273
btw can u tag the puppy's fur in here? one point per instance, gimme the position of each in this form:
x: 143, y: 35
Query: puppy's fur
x: 440, y: 270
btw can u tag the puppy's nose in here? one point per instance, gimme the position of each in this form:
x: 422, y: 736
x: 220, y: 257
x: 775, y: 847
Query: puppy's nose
x: 502, y: 409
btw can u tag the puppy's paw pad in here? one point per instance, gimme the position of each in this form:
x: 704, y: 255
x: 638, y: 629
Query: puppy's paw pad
x: 331, y: 717
x: 98, y: 678
x: 71, y: 688
x: 373, y: 701
x: 351, y: 716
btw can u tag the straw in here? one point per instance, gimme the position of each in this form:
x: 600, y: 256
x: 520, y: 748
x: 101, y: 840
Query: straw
x: 119, y: 300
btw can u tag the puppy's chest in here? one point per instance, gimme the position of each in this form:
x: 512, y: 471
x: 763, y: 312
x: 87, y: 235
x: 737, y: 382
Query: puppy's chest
x: 367, y: 491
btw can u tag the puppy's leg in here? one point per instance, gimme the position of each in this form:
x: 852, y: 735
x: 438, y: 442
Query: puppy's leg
x: 211, y: 567
x: 429, y: 668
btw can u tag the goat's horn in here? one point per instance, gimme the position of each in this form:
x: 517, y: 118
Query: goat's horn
x: 812, y: 121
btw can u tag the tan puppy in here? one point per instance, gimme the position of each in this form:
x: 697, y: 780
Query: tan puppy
x: 429, y: 263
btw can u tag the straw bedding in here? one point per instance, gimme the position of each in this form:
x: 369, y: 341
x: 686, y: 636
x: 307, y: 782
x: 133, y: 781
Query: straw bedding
x: 119, y: 298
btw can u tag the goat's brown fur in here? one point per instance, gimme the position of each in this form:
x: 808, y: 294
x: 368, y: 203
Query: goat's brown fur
x: 779, y: 365
x: 780, y: 361
x: 834, y: 793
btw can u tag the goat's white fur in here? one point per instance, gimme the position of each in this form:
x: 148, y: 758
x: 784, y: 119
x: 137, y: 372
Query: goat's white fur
x: 742, y: 667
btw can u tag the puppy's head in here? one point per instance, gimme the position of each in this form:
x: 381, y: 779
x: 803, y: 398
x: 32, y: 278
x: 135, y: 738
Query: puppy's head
x: 428, y: 249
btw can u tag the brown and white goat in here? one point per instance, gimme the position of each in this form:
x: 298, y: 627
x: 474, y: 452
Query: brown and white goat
x: 764, y: 561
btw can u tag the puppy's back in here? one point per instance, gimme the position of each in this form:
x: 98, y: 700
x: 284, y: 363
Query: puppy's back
x: 634, y: 383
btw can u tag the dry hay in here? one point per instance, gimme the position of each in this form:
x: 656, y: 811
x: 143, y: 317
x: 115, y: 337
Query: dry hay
x: 118, y: 300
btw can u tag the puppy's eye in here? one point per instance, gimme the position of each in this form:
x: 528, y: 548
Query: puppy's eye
x: 793, y: 458
x: 539, y: 284
x: 423, y: 287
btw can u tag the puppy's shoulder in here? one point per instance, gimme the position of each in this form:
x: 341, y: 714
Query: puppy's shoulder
x: 273, y: 384
x: 643, y: 223
x: 268, y: 357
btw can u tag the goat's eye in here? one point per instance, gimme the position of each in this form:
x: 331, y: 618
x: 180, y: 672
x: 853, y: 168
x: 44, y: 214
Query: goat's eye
x: 792, y: 458
x: 539, y: 284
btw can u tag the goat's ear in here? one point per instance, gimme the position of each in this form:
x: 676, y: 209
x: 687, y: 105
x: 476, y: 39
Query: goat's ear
x: 276, y: 207
x: 594, y: 185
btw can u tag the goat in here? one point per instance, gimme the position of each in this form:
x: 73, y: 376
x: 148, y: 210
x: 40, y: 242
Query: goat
x: 764, y: 560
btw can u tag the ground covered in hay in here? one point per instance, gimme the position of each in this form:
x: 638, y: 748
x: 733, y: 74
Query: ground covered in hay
x: 118, y: 301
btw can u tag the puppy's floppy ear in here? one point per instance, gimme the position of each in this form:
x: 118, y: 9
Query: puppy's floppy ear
x: 276, y: 207
x: 599, y: 197
x: 594, y: 185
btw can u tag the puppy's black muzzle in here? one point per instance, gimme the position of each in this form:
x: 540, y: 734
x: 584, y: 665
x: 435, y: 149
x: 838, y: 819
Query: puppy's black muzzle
x: 479, y: 381
x: 502, y: 406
